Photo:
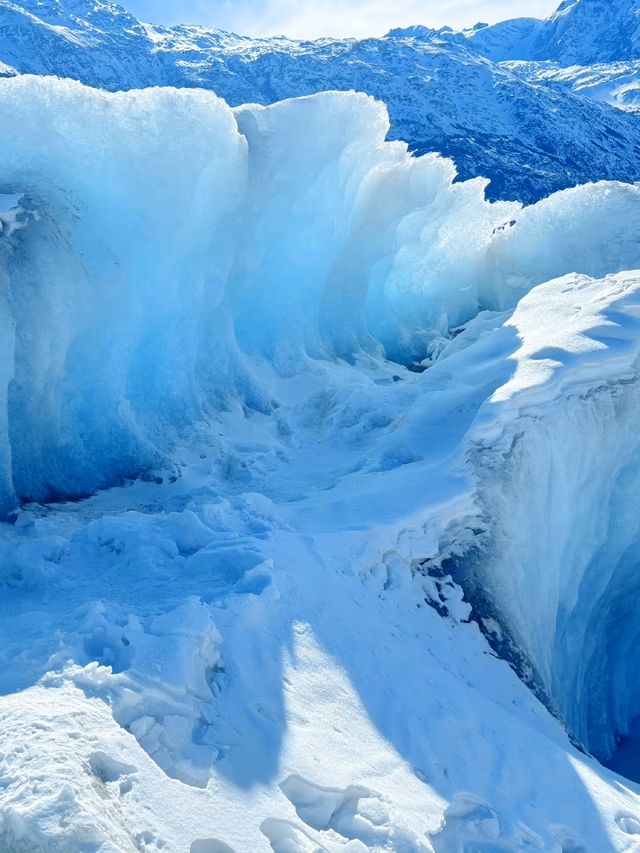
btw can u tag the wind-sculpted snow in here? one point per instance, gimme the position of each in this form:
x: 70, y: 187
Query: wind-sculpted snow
x: 164, y: 242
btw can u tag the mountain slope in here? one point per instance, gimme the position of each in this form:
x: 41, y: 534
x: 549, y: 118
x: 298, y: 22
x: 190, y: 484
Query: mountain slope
x: 616, y: 83
x: 580, y: 32
x: 583, y: 32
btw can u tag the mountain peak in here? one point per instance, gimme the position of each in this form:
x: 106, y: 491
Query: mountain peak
x: 584, y: 32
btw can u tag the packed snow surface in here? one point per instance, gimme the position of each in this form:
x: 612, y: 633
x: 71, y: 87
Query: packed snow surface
x: 352, y: 435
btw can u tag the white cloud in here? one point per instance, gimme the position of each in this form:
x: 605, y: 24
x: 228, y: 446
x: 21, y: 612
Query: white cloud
x: 314, y: 18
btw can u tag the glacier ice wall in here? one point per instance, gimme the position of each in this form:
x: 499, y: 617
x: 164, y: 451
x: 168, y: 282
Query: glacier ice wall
x: 556, y: 454
x: 168, y: 250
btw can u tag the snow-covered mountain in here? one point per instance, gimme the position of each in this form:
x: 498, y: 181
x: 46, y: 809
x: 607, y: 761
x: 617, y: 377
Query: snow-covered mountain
x: 444, y: 90
x: 590, y: 47
x: 583, y: 32
x: 617, y: 84
x: 580, y: 32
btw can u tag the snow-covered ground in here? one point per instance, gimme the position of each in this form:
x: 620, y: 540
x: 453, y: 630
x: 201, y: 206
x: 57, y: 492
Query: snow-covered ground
x: 355, y: 393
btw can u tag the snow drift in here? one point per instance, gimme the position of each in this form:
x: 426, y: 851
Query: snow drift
x: 165, y: 242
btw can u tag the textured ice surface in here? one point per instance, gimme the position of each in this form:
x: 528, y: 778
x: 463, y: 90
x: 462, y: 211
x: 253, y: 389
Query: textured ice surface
x: 155, y: 264
x: 562, y: 432
x: 352, y: 385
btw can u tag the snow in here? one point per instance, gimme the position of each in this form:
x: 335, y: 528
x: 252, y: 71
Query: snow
x: 334, y: 412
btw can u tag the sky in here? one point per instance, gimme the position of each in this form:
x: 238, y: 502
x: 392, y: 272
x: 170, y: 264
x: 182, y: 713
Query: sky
x: 315, y: 18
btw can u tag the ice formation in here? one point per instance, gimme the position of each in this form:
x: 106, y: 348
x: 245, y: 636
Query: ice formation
x: 154, y: 264
x: 563, y: 532
x: 356, y: 390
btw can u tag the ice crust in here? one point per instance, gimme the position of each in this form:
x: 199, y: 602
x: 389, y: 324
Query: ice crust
x: 354, y: 386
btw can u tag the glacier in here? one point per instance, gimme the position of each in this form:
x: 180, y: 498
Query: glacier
x: 318, y: 479
x: 258, y: 274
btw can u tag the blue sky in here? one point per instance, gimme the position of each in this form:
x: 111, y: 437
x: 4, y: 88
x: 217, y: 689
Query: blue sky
x: 313, y: 18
